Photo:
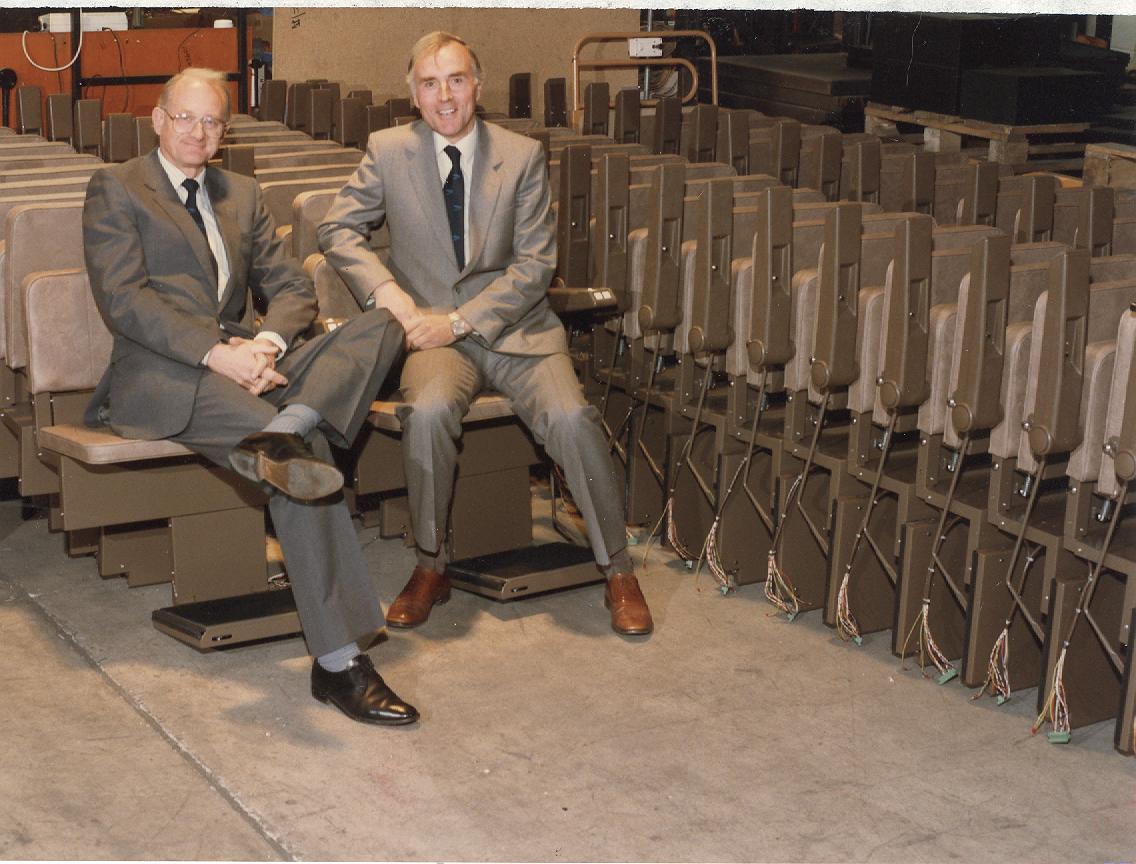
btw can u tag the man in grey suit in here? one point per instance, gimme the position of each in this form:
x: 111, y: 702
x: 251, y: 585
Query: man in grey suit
x: 472, y: 254
x: 179, y: 257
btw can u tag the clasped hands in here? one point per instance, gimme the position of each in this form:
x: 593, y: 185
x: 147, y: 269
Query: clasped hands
x: 423, y: 329
x: 249, y: 362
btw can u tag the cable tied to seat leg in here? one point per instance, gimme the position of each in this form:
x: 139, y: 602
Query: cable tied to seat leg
x: 1056, y: 708
x: 928, y: 647
x: 846, y: 624
x: 997, y: 680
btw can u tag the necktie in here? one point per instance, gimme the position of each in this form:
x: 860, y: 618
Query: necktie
x: 454, y: 191
x: 191, y: 187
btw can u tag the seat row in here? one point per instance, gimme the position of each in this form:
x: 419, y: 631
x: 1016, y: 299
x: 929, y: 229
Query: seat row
x: 854, y: 405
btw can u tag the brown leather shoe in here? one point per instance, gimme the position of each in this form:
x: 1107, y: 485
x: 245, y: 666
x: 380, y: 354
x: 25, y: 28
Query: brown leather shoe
x: 424, y: 590
x: 629, y: 613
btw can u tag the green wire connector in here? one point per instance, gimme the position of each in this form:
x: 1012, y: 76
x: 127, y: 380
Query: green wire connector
x: 789, y: 616
x: 1058, y: 737
x: 1001, y: 700
x: 859, y: 640
x: 947, y: 676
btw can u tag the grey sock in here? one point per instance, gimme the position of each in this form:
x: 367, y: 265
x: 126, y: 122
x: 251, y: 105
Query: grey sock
x: 339, y: 659
x: 295, y: 419
x: 620, y: 563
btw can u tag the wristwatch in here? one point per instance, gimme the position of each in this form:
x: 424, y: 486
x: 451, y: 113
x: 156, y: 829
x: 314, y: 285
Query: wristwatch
x: 457, y: 325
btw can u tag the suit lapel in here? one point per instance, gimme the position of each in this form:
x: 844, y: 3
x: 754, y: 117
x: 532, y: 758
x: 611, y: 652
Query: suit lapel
x: 166, y: 198
x: 482, y: 197
x: 424, y: 169
x: 225, y: 212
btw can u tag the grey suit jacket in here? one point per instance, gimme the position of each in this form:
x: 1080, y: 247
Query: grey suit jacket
x: 155, y: 283
x: 502, y: 292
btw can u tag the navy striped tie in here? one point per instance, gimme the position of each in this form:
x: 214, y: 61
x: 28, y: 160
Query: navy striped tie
x: 454, y: 192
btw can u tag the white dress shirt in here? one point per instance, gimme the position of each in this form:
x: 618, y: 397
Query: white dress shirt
x: 213, y: 235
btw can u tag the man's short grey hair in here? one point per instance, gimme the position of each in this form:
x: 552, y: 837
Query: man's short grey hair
x: 212, y: 77
x: 431, y: 44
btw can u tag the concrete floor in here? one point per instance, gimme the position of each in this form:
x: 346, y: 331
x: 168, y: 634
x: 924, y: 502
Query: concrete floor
x: 728, y: 735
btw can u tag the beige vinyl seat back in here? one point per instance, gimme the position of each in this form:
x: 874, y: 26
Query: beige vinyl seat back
x: 79, y: 168
x: 40, y: 148
x: 279, y: 195
x: 60, y: 311
x: 37, y: 237
x: 60, y: 159
x: 333, y: 297
x: 326, y: 156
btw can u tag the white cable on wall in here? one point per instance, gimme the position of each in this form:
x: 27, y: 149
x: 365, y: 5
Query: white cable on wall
x: 68, y: 64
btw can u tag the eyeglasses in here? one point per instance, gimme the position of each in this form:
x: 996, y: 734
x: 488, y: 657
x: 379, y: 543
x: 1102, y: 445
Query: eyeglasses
x: 184, y: 123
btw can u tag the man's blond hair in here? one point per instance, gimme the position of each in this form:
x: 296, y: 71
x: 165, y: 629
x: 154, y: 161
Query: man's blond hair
x: 212, y: 77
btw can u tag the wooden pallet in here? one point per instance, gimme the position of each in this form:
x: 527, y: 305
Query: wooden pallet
x: 1110, y: 165
x: 1008, y: 145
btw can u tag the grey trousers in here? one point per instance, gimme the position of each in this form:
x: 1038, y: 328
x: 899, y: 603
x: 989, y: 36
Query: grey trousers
x: 438, y: 385
x: 338, y: 375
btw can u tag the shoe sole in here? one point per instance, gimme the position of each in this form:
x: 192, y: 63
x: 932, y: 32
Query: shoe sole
x: 302, y: 479
x: 326, y: 700
x: 408, y: 625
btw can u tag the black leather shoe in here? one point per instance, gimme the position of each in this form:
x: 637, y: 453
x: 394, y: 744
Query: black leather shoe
x: 286, y: 462
x: 360, y: 693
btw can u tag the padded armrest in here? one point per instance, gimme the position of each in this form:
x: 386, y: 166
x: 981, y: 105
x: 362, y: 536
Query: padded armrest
x: 636, y: 273
x: 1005, y: 436
x: 1085, y: 461
x: 806, y: 284
x: 1122, y: 370
x: 869, y: 348
x: 933, y: 412
x: 686, y: 296
x: 102, y: 447
x: 488, y: 406
x: 741, y: 277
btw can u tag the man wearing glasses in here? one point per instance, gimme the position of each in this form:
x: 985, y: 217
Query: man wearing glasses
x: 182, y: 257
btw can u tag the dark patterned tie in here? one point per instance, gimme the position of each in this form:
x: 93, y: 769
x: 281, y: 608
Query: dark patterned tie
x: 454, y: 192
x: 191, y: 187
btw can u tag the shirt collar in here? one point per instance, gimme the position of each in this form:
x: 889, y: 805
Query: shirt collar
x: 176, y: 175
x: 465, y: 145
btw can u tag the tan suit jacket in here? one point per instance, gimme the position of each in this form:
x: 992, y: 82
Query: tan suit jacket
x: 502, y: 290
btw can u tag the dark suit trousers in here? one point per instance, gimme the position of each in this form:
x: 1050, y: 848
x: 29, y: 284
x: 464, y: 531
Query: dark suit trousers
x: 338, y: 375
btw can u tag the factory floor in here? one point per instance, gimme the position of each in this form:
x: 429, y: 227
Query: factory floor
x: 728, y: 735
